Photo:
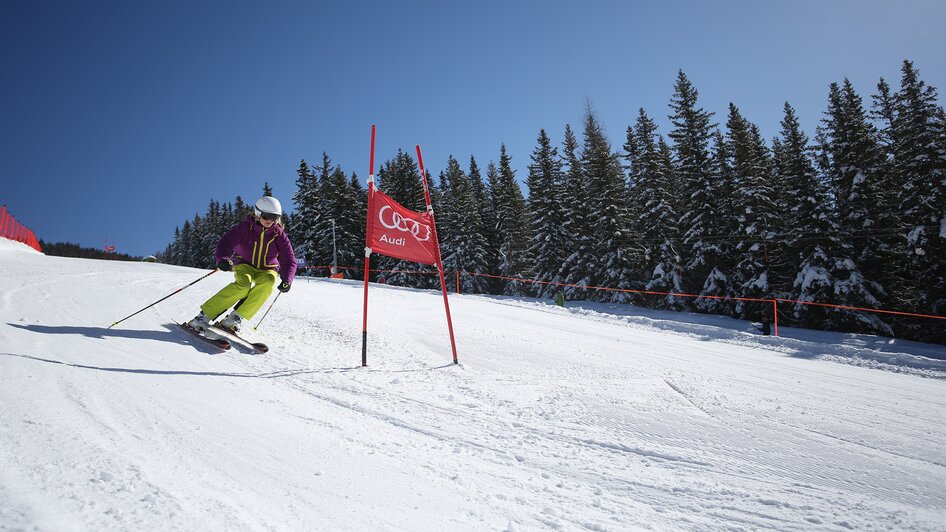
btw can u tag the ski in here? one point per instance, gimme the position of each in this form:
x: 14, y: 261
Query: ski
x: 259, y: 347
x: 220, y: 343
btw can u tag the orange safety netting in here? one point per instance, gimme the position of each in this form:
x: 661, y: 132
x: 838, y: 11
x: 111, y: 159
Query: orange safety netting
x: 774, y: 302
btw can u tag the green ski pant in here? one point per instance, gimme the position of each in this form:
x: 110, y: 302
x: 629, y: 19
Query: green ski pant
x: 251, y: 285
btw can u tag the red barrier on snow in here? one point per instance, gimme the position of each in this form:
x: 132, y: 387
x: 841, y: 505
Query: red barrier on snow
x: 11, y: 229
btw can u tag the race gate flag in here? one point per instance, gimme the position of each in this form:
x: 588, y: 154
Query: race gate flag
x: 399, y: 232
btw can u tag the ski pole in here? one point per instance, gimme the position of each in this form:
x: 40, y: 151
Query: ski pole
x: 163, y: 298
x: 267, y: 311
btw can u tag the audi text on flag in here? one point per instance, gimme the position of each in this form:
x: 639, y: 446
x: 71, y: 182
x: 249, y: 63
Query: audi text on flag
x: 398, y: 232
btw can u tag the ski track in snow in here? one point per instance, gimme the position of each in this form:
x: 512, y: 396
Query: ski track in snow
x: 584, y: 418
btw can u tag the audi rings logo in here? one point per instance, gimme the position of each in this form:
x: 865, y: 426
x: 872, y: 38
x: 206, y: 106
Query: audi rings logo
x: 404, y: 224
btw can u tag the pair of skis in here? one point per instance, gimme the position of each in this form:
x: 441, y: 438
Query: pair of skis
x: 222, y: 343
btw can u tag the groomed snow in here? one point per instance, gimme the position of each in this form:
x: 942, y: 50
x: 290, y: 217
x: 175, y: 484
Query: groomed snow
x: 597, y: 417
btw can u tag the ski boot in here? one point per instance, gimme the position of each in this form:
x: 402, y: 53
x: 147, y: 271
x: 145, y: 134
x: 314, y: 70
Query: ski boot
x: 231, y: 323
x: 200, y: 323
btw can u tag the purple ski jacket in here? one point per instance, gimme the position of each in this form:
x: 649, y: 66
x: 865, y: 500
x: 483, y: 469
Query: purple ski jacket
x: 267, y: 249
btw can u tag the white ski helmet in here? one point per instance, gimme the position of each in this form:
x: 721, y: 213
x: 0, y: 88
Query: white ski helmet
x: 268, y: 205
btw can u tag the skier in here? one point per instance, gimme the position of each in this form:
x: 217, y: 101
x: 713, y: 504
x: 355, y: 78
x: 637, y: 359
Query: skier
x: 261, y: 254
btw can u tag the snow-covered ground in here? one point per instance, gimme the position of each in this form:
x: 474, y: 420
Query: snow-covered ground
x: 599, y: 417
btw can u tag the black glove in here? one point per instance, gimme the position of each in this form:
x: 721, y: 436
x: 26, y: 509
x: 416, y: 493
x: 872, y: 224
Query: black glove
x: 225, y: 265
x: 284, y: 286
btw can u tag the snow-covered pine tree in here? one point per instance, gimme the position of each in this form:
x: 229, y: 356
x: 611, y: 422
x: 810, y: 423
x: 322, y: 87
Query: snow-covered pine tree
x: 919, y: 141
x: 342, y: 207
x: 194, y: 244
x: 486, y: 228
x: 326, y: 206
x: 325, y: 199
x: 172, y: 255
x: 196, y: 255
x: 755, y: 210
x: 677, y: 199
x: 608, y: 198
x: 207, y: 242
x: 715, y: 223
x: 691, y: 135
x: 240, y: 210
x: 891, y: 189
x: 640, y: 250
x: 494, y: 239
x: 222, y: 222
x: 513, y: 226
x: 184, y: 249
x: 580, y: 264
x: 288, y: 219
x: 227, y: 217
x: 782, y: 268
x: 884, y: 115
x: 402, y: 182
x: 306, y: 200
x: 852, y: 161
x: 856, y: 164
x: 461, y: 243
x: 208, y: 237
x: 355, y: 250
x: 657, y: 226
x: 442, y: 211
x: 546, y: 208
x: 810, y: 234
x: 333, y: 210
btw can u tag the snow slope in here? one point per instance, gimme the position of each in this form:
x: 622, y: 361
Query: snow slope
x: 595, y: 417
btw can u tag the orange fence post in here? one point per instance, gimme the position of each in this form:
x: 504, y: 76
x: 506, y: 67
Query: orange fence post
x: 775, y: 314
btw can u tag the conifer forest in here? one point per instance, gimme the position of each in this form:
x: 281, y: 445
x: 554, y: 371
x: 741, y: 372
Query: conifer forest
x: 853, y: 216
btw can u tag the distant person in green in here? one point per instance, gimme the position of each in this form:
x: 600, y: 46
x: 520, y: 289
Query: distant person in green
x: 259, y: 253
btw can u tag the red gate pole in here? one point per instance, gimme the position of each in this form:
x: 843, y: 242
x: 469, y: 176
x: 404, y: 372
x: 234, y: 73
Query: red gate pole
x: 443, y: 283
x: 364, y: 324
x: 3, y: 221
x: 458, y: 281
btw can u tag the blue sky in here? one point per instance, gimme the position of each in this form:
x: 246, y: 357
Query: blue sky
x: 119, y: 119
